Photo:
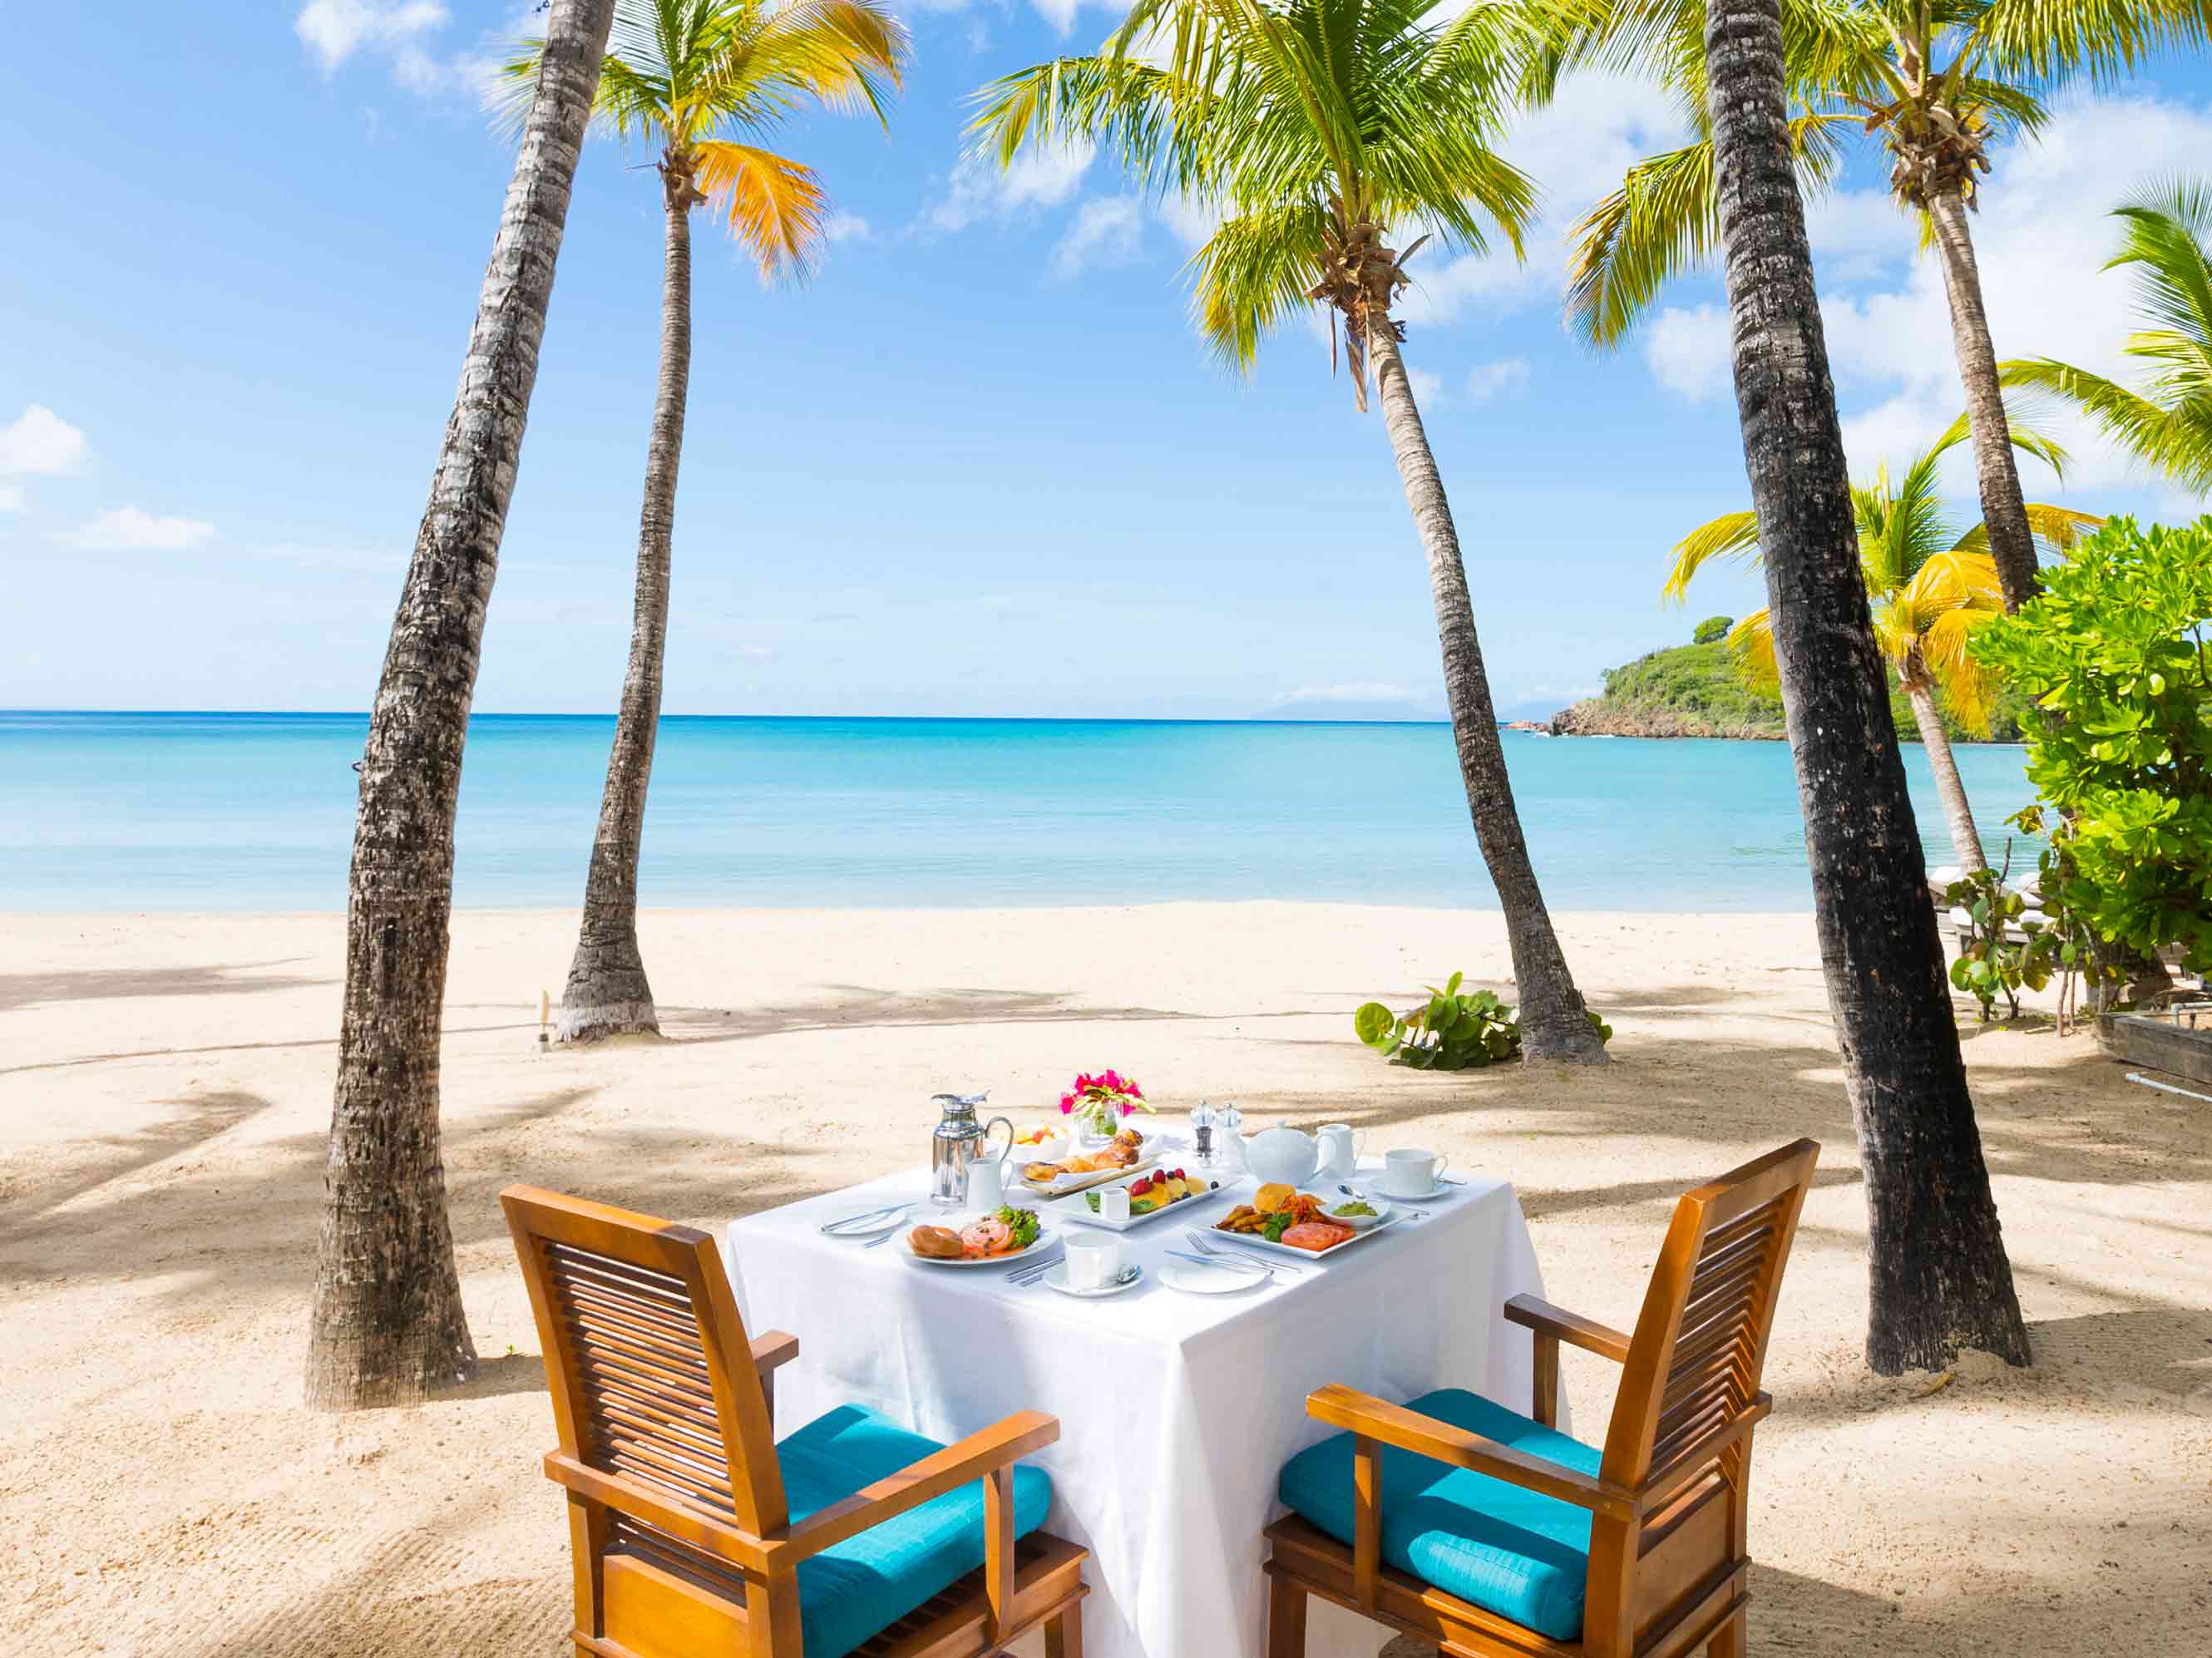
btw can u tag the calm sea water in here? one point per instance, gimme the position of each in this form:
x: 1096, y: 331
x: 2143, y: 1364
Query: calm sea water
x: 180, y: 811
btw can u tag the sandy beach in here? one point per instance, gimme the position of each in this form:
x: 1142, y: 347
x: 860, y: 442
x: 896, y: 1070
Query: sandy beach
x: 165, y: 1090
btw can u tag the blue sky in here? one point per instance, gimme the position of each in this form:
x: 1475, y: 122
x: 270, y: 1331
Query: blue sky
x: 979, y: 464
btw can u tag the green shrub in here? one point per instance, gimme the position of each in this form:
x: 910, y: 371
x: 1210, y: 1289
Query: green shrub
x: 2116, y: 648
x: 1712, y: 629
x: 1452, y: 1031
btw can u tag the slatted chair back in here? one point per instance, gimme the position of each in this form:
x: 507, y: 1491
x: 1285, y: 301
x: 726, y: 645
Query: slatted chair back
x: 646, y: 1358
x: 1682, y: 1418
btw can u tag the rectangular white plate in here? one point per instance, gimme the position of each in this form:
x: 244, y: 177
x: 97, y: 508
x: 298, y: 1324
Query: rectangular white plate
x: 1077, y: 1205
x: 1067, y: 1183
x: 1388, y: 1223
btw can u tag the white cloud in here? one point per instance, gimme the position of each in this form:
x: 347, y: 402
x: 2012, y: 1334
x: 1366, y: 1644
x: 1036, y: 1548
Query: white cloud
x: 2041, y: 239
x: 1428, y: 386
x: 1689, y: 350
x: 333, y: 30
x: 846, y: 228
x: 1357, y: 690
x: 39, y: 443
x: 1106, y: 231
x: 128, y: 530
x: 1490, y: 380
x: 979, y: 188
x: 1578, y: 150
x: 12, y: 499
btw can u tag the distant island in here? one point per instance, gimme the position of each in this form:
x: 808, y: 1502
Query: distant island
x: 1695, y: 690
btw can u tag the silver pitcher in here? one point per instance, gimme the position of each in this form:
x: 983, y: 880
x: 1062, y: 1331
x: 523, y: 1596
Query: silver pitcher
x: 957, y: 1142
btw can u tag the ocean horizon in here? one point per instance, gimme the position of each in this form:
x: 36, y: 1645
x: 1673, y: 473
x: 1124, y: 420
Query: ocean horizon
x: 179, y: 811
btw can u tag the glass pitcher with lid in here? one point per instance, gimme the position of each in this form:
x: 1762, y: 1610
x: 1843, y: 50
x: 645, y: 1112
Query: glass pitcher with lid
x: 957, y: 1142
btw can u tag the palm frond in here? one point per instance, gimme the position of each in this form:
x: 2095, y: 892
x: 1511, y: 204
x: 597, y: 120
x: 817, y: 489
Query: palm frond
x: 1969, y: 690
x: 775, y: 206
x: 2056, y: 42
x: 1751, y: 646
x: 1252, y: 274
x: 1732, y: 535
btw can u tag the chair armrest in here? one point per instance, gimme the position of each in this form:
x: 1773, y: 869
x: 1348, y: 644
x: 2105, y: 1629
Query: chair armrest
x: 705, y: 1531
x: 995, y: 1448
x: 774, y: 1349
x: 1393, y: 1425
x: 1561, y: 1325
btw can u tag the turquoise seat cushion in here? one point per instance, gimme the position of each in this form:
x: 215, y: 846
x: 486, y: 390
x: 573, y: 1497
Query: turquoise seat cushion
x: 867, y: 1583
x: 1515, y: 1553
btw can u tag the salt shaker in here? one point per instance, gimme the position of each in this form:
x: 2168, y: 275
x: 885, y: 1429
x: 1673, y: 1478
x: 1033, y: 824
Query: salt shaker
x: 1229, y: 1127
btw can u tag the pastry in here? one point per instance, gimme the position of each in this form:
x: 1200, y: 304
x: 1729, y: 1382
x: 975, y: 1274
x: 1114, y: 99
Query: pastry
x: 936, y: 1243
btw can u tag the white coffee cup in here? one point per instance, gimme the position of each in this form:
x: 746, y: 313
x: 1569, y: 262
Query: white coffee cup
x: 1411, y: 1172
x: 1094, y: 1261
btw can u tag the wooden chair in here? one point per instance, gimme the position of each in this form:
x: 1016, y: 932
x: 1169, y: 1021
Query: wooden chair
x: 695, y: 1534
x: 1653, y: 1522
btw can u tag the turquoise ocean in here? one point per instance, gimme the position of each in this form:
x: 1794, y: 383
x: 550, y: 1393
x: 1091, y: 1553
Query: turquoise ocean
x: 244, y: 811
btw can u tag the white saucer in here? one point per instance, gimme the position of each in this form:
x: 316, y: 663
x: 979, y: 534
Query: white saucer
x: 1055, y: 1278
x: 1192, y: 1279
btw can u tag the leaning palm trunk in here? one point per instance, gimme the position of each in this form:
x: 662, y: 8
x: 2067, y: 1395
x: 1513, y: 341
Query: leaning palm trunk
x: 1935, y: 743
x: 1939, y: 1276
x: 607, y: 994
x: 1554, y: 1024
x: 1997, y: 474
x: 387, y: 1319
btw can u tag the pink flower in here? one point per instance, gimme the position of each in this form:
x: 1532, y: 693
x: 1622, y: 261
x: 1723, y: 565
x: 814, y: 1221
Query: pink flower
x: 1127, y: 1108
x: 1066, y: 1104
x: 1131, y: 1089
x: 1113, y: 1080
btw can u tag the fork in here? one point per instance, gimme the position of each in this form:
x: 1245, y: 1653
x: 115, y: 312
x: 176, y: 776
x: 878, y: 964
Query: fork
x: 1206, y: 1246
x: 1262, y: 1274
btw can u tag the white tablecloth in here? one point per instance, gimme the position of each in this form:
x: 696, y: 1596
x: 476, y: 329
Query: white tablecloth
x: 1177, y: 1411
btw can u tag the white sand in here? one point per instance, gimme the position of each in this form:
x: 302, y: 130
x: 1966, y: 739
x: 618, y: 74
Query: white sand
x: 165, y: 1087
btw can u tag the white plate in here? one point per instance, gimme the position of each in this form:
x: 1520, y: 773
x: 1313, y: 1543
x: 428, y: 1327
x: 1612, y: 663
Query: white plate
x: 1043, y: 1241
x: 1055, y: 1278
x: 1067, y: 1183
x: 1191, y: 1279
x: 1257, y: 1241
x: 1076, y: 1207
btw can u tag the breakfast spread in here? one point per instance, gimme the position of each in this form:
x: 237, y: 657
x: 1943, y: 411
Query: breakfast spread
x: 1124, y: 1150
x: 1157, y: 1191
x: 1007, y: 1232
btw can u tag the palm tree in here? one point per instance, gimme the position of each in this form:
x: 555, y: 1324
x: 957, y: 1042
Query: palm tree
x: 387, y: 1319
x: 1937, y: 83
x: 2168, y: 425
x: 1938, y: 1275
x: 693, y: 79
x: 1320, y: 129
x: 1931, y: 589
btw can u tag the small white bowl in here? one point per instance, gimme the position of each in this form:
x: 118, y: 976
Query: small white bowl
x: 1360, y: 1223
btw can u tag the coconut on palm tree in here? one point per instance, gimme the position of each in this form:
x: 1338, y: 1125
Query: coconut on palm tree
x: 2168, y: 425
x: 1333, y: 137
x: 694, y: 81
x: 1938, y: 1275
x: 1935, y: 82
x: 1931, y: 585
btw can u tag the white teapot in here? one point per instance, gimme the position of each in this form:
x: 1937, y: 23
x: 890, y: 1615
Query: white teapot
x: 1282, y: 1157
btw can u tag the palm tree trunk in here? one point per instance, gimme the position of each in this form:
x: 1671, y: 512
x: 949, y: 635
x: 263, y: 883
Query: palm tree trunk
x: 1997, y: 473
x: 387, y: 1320
x: 607, y: 994
x: 1940, y: 1278
x: 1554, y: 1024
x: 1966, y: 839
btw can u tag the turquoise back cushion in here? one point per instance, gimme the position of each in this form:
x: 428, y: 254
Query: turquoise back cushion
x: 1523, y: 1556
x: 867, y: 1583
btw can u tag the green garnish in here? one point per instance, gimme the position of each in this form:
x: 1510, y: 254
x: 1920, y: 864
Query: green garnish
x: 1021, y: 1223
x: 1278, y: 1224
x: 1355, y: 1207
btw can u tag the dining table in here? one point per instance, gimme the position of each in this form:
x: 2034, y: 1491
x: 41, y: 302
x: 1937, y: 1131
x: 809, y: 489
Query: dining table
x: 1177, y: 1409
